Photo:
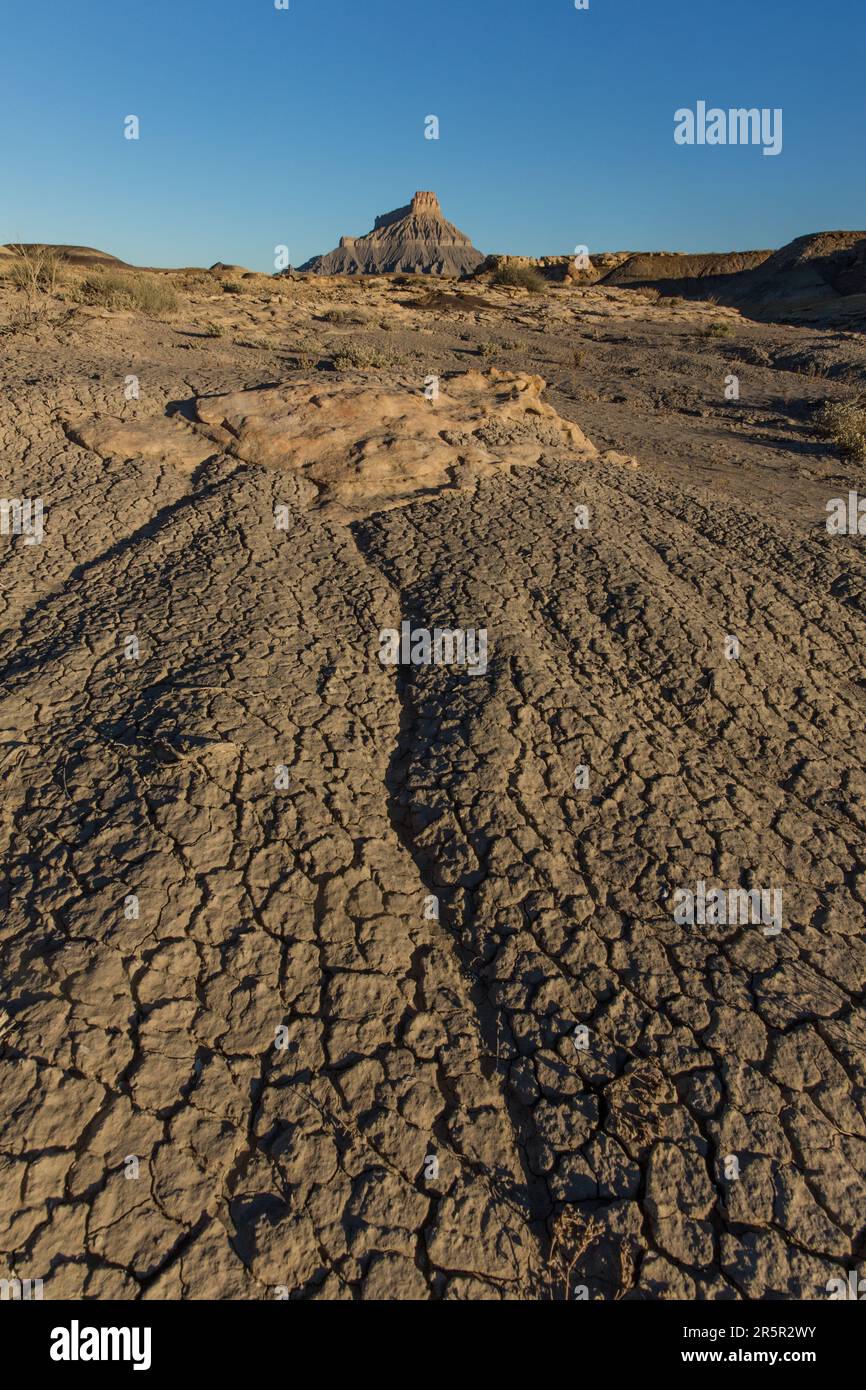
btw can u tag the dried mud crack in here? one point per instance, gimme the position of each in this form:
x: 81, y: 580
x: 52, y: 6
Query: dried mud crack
x: 327, y: 978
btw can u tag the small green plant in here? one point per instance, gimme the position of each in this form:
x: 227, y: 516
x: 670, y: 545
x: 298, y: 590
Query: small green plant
x: 719, y: 329
x: 487, y: 349
x: 520, y: 277
x: 231, y: 287
x: 214, y: 330
x: 845, y: 423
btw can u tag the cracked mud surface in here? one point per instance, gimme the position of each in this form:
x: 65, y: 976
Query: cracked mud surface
x: 237, y: 1092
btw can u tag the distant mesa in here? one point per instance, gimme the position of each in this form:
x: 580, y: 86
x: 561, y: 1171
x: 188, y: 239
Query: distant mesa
x: 816, y: 278
x: 74, y: 255
x: 413, y: 239
x: 227, y: 268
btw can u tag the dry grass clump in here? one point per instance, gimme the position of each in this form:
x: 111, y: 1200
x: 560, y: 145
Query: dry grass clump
x: 193, y: 281
x: 153, y: 295
x: 573, y: 1237
x: 346, y: 316
x: 278, y: 286
x: 520, y: 277
x: 845, y: 423
x: 360, y: 355
x: 36, y: 270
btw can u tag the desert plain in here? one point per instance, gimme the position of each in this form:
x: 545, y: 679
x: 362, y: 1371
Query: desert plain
x: 329, y: 978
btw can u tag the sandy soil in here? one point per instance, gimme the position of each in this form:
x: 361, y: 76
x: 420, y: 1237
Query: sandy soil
x: 235, y: 1035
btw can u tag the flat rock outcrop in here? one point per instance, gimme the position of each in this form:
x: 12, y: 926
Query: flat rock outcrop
x: 357, y: 447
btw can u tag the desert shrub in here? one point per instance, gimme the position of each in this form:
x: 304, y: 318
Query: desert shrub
x: 214, y: 330
x: 520, y: 277
x: 232, y: 287
x: 345, y: 316
x: 845, y: 423
x: 719, y: 329
x: 362, y: 355
x: 36, y: 270
x: 489, y: 348
x: 192, y: 281
x: 811, y: 368
x: 153, y: 295
x: 261, y: 344
x: 650, y: 294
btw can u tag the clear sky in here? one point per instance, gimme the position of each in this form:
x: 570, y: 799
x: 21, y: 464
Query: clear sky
x: 261, y: 127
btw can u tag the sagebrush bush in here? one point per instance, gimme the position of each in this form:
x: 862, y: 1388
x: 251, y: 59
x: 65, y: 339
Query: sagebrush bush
x: 520, y: 277
x: 346, y: 316
x: 363, y: 355
x: 153, y: 295
x: 193, y: 282
x: 845, y: 423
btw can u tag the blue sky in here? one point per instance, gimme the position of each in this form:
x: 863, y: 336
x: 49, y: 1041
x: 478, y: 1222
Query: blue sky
x: 261, y: 127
